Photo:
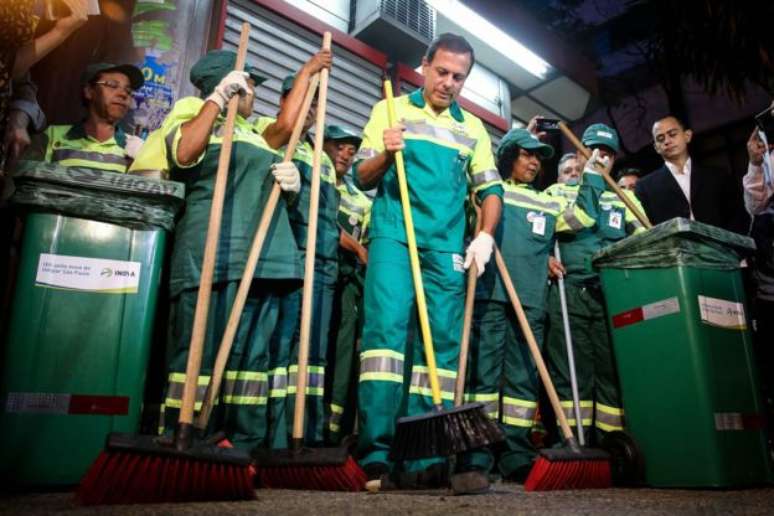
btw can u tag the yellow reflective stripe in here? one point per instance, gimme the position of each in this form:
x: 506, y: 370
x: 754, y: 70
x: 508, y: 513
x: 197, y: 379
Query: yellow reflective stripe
x: 180, y: 378
x: 337, y: 409
x: 388, y: 353
x: 245, y: 375
x: 517, y: 421
x: 427, y: 391
x: 494, y: 396
x: 615, y: 411
x: 310, y: 391
x: 519, y: 402
x: 607, y: 428
x: 443, y: 373
x: 245, y: 400
x: 383, y: 377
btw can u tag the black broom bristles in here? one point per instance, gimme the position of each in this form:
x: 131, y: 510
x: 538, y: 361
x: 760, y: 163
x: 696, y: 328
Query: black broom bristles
x: 444, y: 433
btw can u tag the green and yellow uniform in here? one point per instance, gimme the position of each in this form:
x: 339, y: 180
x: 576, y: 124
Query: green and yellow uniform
x: 252, y: 400
x: 354, y: 214
x: 70, y: 146
x: 325, y: 273
x: 446, y: 154
x: 502, y: 372
x: 594, y: 361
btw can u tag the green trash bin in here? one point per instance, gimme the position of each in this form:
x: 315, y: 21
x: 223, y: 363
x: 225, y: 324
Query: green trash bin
x: 677, y: 315
x: 82, y: 317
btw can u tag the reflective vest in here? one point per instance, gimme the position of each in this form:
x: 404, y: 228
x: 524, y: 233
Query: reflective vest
x: 70, y: 146
x: 446, y: 155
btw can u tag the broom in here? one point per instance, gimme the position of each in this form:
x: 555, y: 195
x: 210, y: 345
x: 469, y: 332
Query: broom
x: 440, y: 432
x: 151, y: 469
x: 571, y: 467
x: 324, y: 469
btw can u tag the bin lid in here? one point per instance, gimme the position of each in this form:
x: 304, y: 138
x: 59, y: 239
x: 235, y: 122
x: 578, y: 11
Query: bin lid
x: 128, y: 200
x: 676, y: 242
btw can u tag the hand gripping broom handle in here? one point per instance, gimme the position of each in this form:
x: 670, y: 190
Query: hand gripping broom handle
x: 416, y: 273
x: 213, y: 388
x: 311, y: 246
x: 570, y: 352
x: 183, y: 434
x: 533, y: 347
x: 567, y: 132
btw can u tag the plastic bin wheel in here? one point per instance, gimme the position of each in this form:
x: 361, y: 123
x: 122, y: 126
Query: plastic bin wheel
x: 627, y: 462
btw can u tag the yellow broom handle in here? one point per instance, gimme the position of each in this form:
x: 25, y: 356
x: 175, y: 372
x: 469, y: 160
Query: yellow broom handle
x: 567, y: 132
x: 411, y: 240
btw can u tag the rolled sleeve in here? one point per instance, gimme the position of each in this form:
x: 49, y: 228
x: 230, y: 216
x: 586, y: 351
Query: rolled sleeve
x: 373, y: 138
x: 183, y: 111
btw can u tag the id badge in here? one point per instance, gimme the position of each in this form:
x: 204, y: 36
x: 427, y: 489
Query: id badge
x: 616, y: 219
x: 539, y: 225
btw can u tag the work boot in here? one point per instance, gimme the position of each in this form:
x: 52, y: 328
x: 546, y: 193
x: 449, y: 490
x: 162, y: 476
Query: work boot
x: 473, y: 481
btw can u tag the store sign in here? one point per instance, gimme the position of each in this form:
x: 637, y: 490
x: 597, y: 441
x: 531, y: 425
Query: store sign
x: 722, y: 313
x: 87, y: 274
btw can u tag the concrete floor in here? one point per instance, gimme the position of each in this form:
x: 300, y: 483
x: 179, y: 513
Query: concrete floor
x: 504, y: 499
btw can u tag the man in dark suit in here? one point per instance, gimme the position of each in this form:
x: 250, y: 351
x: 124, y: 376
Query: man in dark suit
x: 681, y: 188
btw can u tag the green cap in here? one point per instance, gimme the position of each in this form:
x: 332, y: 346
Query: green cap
x: 216, y: 64
x: 136, y: 80
x: 338, y: 133
x: 600, y: 134
x: 525, y: 140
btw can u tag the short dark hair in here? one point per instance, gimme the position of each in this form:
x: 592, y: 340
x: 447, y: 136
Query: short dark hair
x: 505, y: 161
x: 452, y: 43
x: 679, y: 120
x: 628, y: 171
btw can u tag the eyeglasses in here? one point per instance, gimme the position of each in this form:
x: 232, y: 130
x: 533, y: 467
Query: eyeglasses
x: 114, y: 85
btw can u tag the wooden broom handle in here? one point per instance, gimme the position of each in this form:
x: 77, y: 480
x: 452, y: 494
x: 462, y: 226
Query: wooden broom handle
x: 213, y: 388
x: 416, y: 272
x: 462, y: 366
x: 532, y: 343
x: 198, y: 332
x: 311, y: 247
x: 470, y: 301
x: 567, y: 132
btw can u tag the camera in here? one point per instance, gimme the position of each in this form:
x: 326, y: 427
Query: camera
x: 547, y: 124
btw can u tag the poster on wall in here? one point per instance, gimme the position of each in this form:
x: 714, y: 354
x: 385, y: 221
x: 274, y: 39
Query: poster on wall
x: 153, y: 31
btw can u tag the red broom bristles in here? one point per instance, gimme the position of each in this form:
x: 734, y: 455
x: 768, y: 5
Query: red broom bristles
x: 344, y: 477
x: 125, y: 478
x: 581, y: 474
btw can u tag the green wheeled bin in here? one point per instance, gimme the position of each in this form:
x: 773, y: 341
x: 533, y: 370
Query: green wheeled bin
x: 677, y: 315
x: 79, y: 335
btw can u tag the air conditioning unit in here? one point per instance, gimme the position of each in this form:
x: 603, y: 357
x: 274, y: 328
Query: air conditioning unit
x: 402, y: 29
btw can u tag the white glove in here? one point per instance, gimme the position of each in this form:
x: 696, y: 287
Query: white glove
x: 480, y: 251
x: 286, y: 174
x: 596, y: 163
x: 133, y: 144
x: 234, y: 82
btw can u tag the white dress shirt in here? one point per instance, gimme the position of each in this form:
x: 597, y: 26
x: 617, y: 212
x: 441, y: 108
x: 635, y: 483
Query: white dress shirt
x: 683, y: 178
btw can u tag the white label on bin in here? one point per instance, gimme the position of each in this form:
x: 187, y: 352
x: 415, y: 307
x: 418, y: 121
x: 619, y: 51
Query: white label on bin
x: 87, y: 274
x: 722, y: 313
x: 37, y: 403
x: 728, y: 421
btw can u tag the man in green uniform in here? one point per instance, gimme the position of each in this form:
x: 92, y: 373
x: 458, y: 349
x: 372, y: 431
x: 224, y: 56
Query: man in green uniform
x: 191, y: 137
x: 354, y: 211
x: 97, y: 142
x: 277, y: 133
x: 446, y: 151
x: 502, y: 372
x: 598, y: 386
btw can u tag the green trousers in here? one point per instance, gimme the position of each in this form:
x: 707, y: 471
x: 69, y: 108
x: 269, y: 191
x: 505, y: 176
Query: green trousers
x: 343, y: 361
x: 503, y: 376
x: 251, y: 405
x: 325, y: 273
x: 598, y: 386
x: 393, y: 376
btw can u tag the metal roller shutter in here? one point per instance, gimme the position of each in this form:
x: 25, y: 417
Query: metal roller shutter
x: 278, y: 47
